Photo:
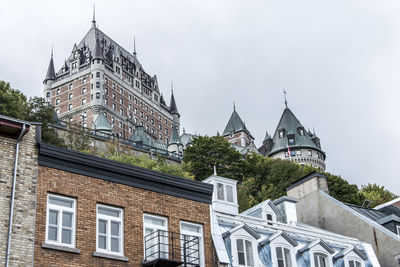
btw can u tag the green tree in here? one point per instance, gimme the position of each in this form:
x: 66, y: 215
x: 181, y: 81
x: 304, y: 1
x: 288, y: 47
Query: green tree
x: 12, y: 102
x: 77, y: 138
x: 376, y: 194
x: 207, y: 152
x: 343, y: 191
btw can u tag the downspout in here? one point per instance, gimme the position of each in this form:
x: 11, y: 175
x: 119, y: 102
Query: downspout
x: 23, y: 131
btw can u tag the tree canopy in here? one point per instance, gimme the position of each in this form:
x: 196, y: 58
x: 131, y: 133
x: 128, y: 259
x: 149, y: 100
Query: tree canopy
x: 376, y: 194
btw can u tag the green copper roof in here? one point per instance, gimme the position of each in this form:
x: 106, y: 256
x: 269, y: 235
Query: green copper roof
x: 101, y: 123
x: 235, y: 124
x: 175, y: 137
x: 140, y: 136
x: 290, y: 125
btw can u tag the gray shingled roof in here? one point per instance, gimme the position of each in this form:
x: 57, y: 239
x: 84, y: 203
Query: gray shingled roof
x: 175, y: 139
x: 101, y: 123
x: 291, y: 125
x: 372, y: 214
x: 235, y: 124
x: 172, y: 107
x: 98, y: 50
x: 51, y: 74
x: 139, y: 135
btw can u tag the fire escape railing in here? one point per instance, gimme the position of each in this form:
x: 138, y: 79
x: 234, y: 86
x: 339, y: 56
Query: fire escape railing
x: 171, y: 247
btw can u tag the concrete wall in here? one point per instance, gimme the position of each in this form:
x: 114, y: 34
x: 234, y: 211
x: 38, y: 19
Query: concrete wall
x: 322, y: 211
x: 21, y: 252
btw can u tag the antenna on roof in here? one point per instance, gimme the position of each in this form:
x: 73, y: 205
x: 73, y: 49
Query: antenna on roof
x: 94, y: 16
x: 284, y: 95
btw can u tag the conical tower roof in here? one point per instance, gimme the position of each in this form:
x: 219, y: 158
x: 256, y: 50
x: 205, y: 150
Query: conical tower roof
x: 172, y: 107
x: 139, y: 135
x: 290, y: 125
x: 51, y: 74
x: 101, y: 123
x: 235, y: 124
x: 175, y: 139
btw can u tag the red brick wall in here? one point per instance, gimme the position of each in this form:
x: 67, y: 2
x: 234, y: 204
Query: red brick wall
x: 88, y: 192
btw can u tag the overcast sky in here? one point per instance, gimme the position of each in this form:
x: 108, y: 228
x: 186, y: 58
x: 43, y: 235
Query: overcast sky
x: 339, y: 61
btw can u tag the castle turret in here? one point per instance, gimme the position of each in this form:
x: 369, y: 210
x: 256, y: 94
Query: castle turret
x: 175, y: 144
x: 174, y: 111
x: 97, y: 78
x: 267, y: 144
x: 49, y: 79
x: 236, y: 132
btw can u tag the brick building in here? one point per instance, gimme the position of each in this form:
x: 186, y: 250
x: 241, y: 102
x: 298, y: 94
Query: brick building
x: 101, y: 77
x: 18, y: 176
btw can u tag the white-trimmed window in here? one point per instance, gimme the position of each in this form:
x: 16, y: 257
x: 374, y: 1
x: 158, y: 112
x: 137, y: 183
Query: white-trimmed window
x: 193, y: 243
x: 155, y: 229
x: 283, y: 257
x: 354, y: 263
x: 320, y: 260
x: 225, y: 192
x: 57, y: 101
x: 244, y: 252
x: 60, y: 223
x: 109, y: 229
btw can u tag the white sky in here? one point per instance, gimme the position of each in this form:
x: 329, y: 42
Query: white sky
x: 338, y: 60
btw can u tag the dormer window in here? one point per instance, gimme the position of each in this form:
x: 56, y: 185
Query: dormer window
x: 283, y: 257
x: 354, y: 263
x: 245, y: 252
x: 291, y: 140
x: 300, y: 130
x: 225, y: 192
x: 320, y: 260
x: 281, y: 133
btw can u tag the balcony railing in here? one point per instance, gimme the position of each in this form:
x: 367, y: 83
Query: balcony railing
x: 164, y: 248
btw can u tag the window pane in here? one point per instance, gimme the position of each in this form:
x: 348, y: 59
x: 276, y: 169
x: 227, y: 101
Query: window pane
x: 52, y: 233
x: 358, y: 264
x: 61, y: 202
x: 53, y: 215
x: 109, y: 212
x: 279, y: 253
x: 67, y: 219
x: 66, y: 236
x: 239, y: 244
x: 220, y: 191
x: 191, y: 228
x: 280, y: 263
x: 249, y: 253
x: 115, y: 228
x: 241, y: 258
x: 288, y: 259
x: 102, y: 227
x: 115, y: 244
x: 316, y: 261
x: 155, y: 220
x: 102, y: 242
x: 351, y: 264
x: 322, y: 261
x: 229, y: 193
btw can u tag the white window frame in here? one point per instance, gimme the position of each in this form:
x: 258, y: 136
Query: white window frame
x: 199, y: 235
x: 283, y: 246
x: 155, y: 227
x: 319, y: 254
x: 60, y: 210
x: 355, y: 261
x: 225, y: 192
x: 244, y: 239
x: 110, y: 218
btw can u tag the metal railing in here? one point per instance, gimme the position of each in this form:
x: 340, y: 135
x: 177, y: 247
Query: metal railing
x: 172, y: 246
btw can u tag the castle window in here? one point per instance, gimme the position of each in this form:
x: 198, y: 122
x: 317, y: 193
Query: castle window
x: 113, y: 85
x: 106, y: 91
x: 152, y: 131
x: 57, y: 101
x: 130, y: 97
x: 83, y: 90
x: 147, y: 108
x: 97, y: 74
x: 160, y: 136
x: 84, y: 124
x: 83, y: 101
x: 48, y: 94
x: 130, y: 129
x: 166, y: 122
x: 106, y: 80
x: 83, y: 80
x: 70, y: 96
x: 98, y: 95
x: 114, y: 106
x: 159, y: 117
x: 298, y: 152
x: 121, y: 91
x: 97, y: 84
x: 91, y: 96
x: 141, y: 114
x: 141, y: 104
x: 130, y: 106
x: 113, y: 95
x: 70, y: 86
x: 84, y: 115
x: 121, y: 111
x: 120, y: 134
x: 291, y: 140
x: 109, y: 230
x: 301, y: 131
x: 70, y: 107
x: 120, y: 124
x: 57, y: 111
x: 160, y: 127
x: 141, y: 123
x: 309, y: 153
x: 135, y: 121
x: 58, y: 91
x: 130, y: 116
x: 135, y: 110
x: 166, y: 140
x: 135, y: 100
x: 106, y: 101
x: 60, y: 223
x: 147, y: 127
x: 112, y: 120
x: 71, y: 119
x: 147, y: 118
x: 166, y: 131
x: 152, y: 121
x: 121, y: 101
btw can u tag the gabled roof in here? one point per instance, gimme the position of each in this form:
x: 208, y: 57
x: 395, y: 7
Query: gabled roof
x: 245, y: 227
x: 101, y: 123
x: 318, y: 242
x: 51, y: 74
x: 235, y: 124
x: 175, y: 139
x: 283, y: 234
x: 344, y: 252
x: 261, y: 206
x: 291, y: 126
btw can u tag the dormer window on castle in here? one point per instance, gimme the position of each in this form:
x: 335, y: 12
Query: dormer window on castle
x: 291, y: 139
x: 281, y: 133
x: 301, y: 130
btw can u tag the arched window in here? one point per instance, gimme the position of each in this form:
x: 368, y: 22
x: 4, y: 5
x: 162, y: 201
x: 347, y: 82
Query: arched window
x: 244, y: 252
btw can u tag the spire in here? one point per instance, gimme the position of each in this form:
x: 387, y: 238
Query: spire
x: 267, y: 136
x: 234, y: 106
x: 284, y: 95
x: 51, y: 74
x: 98, y: 50
x: 172, y: 107
x: 94, y: 16
x: 134, y: 46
